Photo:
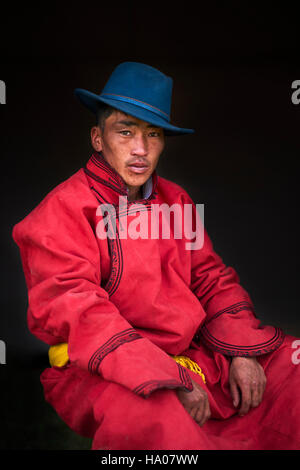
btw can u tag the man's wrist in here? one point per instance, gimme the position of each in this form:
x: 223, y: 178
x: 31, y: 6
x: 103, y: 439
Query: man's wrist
x: 253, y: 358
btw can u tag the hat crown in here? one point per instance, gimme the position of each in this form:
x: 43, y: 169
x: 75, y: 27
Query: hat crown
x: 143, y: 84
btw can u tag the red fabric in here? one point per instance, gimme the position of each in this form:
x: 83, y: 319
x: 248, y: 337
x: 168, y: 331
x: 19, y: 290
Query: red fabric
x: 124, y: 305
x: 117, y: 419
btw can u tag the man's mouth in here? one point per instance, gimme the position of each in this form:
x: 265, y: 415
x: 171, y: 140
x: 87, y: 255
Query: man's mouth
x: 138, y: 167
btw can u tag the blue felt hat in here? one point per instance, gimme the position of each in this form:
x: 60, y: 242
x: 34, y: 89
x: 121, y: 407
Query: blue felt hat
x: 139, y: 90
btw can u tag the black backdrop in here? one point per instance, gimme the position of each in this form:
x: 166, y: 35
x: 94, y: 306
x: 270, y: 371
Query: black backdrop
x: 233, y: 67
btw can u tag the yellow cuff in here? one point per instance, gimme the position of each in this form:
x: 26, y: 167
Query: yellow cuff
x: 58, y: 355
x: 189, y: 364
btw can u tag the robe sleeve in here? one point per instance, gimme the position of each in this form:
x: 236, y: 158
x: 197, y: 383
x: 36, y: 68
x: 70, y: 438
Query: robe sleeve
x: 231, y: 325
x: 66, y: 303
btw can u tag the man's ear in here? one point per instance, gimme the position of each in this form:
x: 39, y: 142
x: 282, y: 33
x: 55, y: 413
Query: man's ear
x: 96, y: 138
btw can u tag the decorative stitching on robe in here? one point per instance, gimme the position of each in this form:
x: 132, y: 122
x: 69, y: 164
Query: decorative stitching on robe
x: 113, y: 343
x: 236, y: 350
x: 146, y: 388
x: 233, y: 310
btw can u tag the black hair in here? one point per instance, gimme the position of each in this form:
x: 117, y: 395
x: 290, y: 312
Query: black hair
x: 103, y: 112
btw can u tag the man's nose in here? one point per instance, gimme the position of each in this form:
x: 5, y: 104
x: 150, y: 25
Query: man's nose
x: 140, y: 146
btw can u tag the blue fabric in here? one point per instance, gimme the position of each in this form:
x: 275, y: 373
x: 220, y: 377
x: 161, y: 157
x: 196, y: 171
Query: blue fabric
x: 139, y: 90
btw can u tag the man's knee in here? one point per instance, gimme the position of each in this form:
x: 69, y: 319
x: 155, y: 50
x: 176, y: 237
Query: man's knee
x: 130, y: 421
x: 70, y: 392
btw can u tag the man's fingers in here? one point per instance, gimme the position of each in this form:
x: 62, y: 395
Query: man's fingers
x: 247, y: 377
x: 246, y: 400
x: 198, y: 416
x: 252, y: 395
x: 200, y: 412
x: 196, y: 403
x: 235, y: 394
x: 206, y: 413
x: 192, y: 412
x: 257, y: 392
x: 203, y: 413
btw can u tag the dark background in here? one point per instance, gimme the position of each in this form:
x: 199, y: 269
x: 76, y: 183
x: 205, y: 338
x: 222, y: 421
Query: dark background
x: 233, y: 67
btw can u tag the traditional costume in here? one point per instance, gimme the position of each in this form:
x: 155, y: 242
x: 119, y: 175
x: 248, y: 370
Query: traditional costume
x: 129, y: 320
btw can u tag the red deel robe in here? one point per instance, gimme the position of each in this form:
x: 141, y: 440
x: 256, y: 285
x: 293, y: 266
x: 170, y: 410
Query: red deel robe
x: 124, y: 305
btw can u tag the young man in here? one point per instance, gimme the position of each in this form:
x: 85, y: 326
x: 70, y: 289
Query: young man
x: 154, y: 343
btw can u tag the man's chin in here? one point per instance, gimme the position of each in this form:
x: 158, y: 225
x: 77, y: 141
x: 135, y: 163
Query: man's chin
x: 137, y: 179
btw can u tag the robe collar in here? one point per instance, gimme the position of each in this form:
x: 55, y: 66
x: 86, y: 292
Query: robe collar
x: 102, y: 172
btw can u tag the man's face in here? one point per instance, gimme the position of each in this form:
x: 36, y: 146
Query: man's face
x: 131, y: 146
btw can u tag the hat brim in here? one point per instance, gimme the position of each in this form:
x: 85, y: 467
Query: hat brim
x: 93, y: 101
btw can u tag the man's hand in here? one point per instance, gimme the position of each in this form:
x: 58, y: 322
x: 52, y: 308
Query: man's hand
x: 247, y: 383
x: 196, y: 403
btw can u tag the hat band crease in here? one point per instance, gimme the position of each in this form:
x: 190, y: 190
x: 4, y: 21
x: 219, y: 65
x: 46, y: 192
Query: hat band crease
x: 127, y: 99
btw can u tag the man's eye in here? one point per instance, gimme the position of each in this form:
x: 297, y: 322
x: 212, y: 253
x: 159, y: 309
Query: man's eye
x: 154, y: 134
x: 126, y: 133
